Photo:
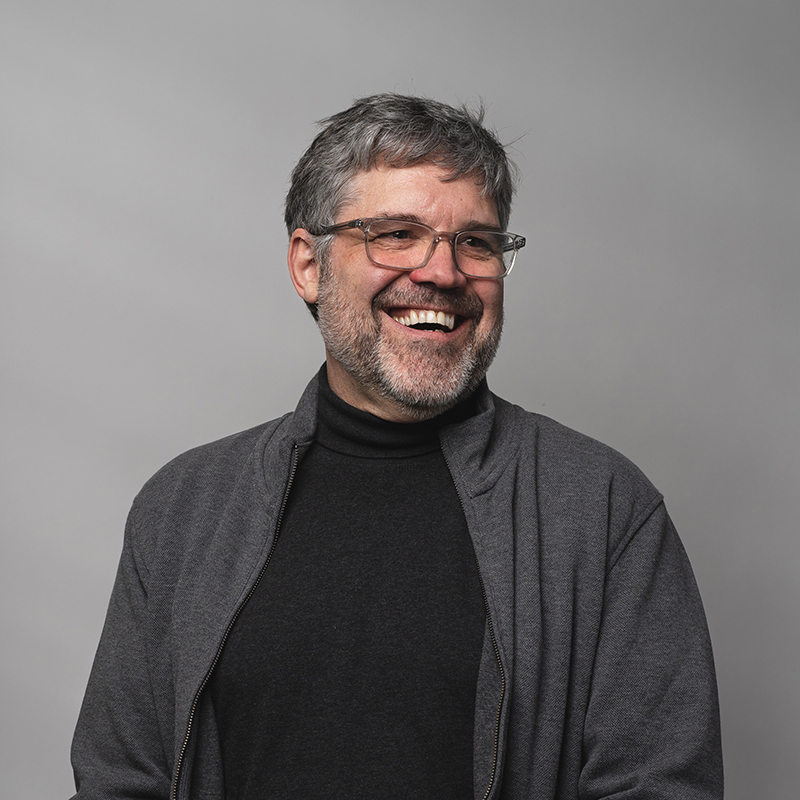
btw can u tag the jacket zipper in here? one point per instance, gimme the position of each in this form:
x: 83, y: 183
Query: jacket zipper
x: 502, y: 681
x: 179, y: 762
x: 491, y: 637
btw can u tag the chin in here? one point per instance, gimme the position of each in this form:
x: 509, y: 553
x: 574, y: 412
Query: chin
x: 426, y: 384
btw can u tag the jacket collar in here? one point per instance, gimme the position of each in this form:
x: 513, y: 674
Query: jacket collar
x: 478, y: 449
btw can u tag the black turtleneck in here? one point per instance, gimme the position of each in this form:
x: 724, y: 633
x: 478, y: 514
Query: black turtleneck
x: 351, y: 672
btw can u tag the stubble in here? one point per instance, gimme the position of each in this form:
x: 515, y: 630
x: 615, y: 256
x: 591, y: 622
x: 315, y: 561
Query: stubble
x: 422, y: 377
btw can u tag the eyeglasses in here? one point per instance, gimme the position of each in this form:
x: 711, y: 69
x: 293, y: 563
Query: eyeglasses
x: 400, y: 244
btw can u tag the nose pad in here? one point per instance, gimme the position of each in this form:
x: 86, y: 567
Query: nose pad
x: 448, y: 241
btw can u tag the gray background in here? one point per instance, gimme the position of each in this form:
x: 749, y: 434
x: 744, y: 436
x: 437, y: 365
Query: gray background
x: 146, y: 307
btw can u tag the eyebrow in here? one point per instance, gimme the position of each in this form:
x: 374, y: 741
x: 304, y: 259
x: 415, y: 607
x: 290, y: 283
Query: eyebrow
x: 472, y: 225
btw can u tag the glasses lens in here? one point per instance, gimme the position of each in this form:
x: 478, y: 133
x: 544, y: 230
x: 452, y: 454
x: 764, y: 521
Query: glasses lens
x: 399, y: 244
x: 485, y: 254
x: 396, y: 243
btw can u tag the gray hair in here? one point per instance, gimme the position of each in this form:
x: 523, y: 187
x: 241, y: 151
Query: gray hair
x: 396, y: 131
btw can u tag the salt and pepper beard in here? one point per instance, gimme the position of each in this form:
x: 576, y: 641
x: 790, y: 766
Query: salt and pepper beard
x: 423, y: 377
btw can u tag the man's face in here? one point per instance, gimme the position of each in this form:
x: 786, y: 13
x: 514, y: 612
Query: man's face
x: 378, y: 362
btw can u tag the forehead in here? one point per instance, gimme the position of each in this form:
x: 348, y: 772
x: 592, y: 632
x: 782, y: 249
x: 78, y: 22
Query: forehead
x: 422, y: 190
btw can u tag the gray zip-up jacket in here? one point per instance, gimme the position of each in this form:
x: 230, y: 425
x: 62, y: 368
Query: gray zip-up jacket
x: 597, y: 679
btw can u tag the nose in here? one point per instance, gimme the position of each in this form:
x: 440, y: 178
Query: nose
x: 440, y: 269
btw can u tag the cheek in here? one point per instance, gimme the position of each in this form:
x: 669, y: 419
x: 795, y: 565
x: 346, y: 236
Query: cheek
x: 376, y: 281
x: 492, y: 299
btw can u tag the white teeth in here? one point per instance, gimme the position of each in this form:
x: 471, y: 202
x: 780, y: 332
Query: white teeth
x: 426, y: 316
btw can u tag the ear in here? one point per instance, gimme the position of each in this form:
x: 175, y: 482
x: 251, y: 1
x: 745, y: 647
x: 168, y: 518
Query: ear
x: 303, y: 266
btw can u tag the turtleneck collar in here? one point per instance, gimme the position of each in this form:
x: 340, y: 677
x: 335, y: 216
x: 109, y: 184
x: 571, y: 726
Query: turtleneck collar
x: 346, y: 429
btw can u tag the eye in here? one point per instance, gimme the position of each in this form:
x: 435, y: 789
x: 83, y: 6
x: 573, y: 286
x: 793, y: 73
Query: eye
x: 398, y: 233
x: 392, y: 233
x: 479, y: 245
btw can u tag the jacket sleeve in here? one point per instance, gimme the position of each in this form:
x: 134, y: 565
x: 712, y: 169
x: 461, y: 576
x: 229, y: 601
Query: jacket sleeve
x: 652, y: 724
x: 119, y: 751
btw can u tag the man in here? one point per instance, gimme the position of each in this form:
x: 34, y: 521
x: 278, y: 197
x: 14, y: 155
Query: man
x: 408, y: 588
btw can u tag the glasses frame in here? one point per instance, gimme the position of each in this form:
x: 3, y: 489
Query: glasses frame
x: 516, y: 244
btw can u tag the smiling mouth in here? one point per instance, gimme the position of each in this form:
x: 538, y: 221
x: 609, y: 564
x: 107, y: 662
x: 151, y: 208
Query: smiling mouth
x: 422, y: 319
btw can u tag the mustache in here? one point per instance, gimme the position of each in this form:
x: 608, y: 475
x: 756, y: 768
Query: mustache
x: 454, y: 301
